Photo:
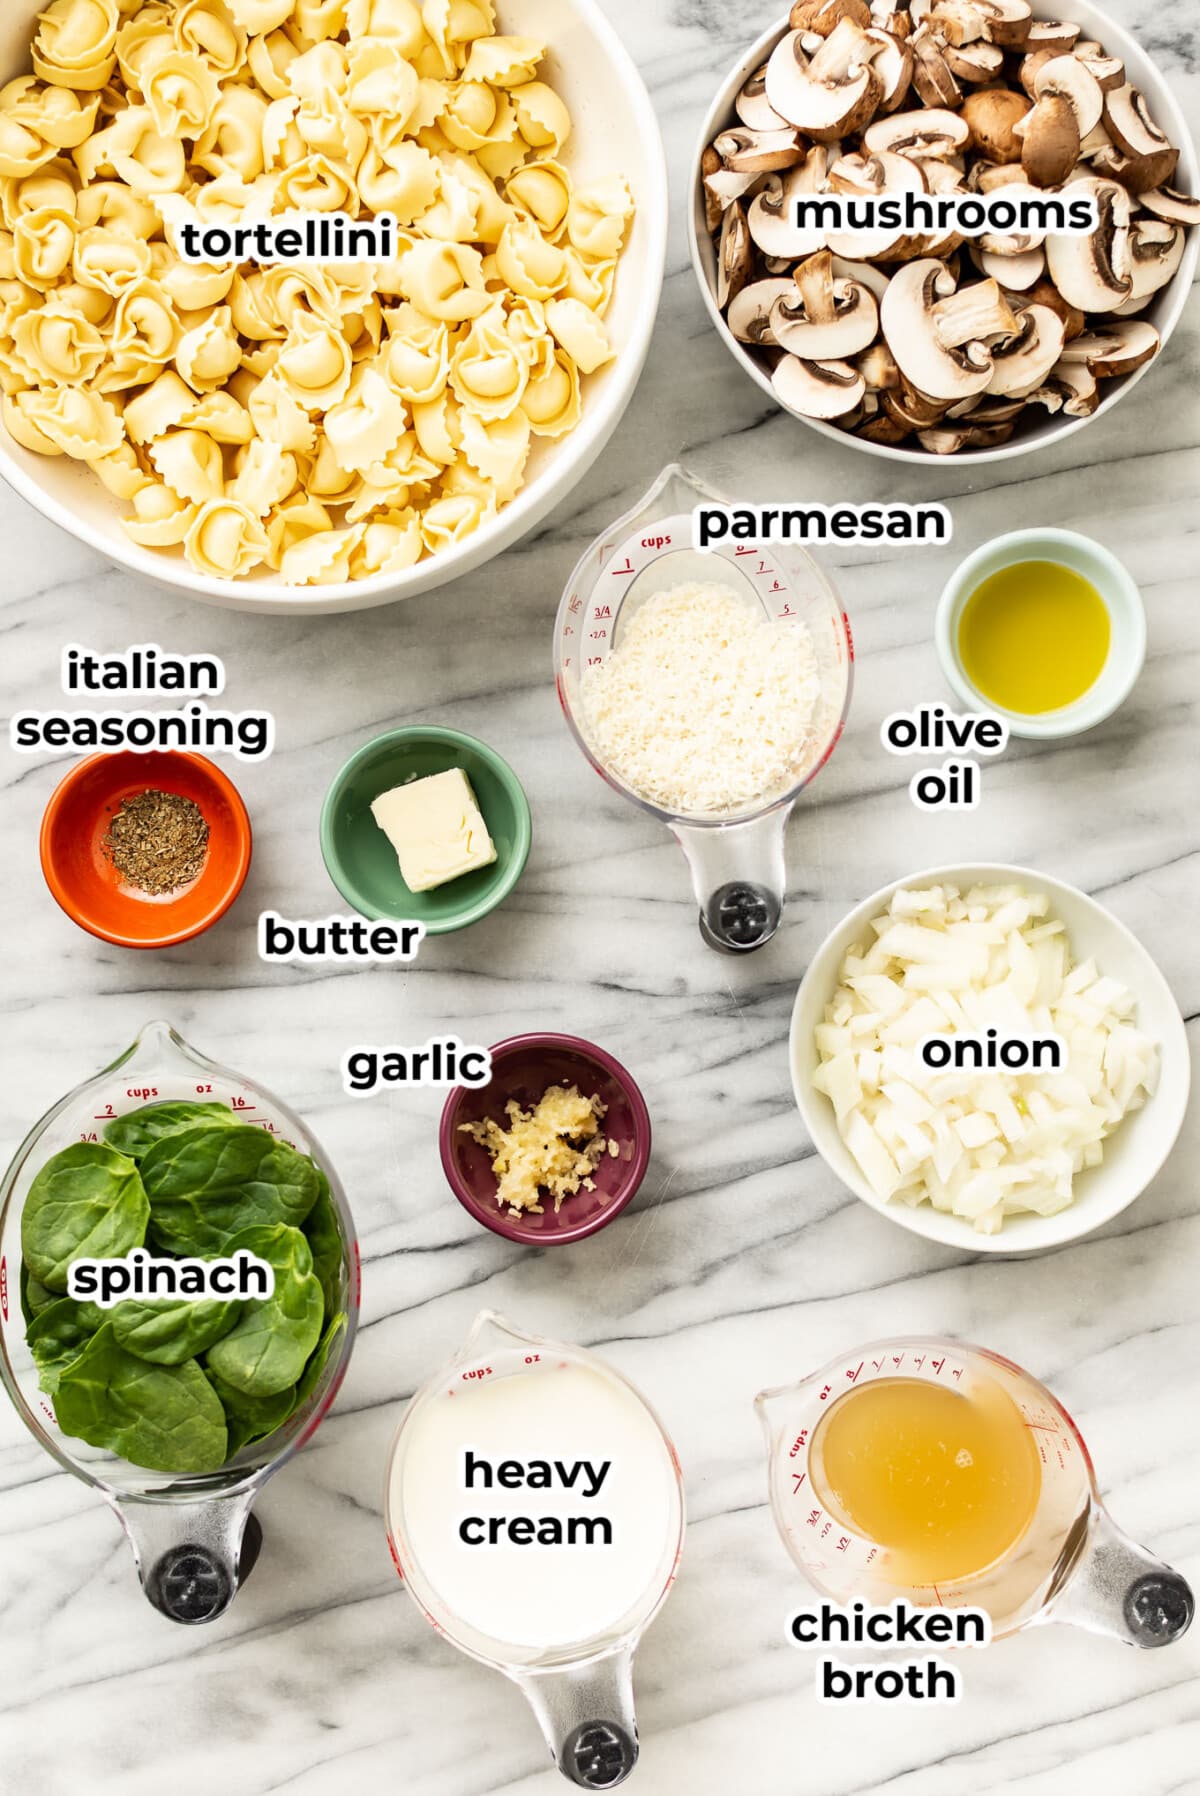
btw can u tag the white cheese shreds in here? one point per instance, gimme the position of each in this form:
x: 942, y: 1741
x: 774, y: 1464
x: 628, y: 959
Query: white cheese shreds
x: 982, y: 1144
x: 707, y: 703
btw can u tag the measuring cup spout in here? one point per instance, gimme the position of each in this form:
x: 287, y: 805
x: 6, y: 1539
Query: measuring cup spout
x: 586, y: 1714
x: 192, y: 1556
x: 1117, y: 1588
x: 739, y: 877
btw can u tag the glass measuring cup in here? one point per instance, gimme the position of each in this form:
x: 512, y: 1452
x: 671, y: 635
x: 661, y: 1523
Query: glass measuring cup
x: 739, y: 872
x: 193, y: 1535
x: 1072, y: 1564
x: 580, y: 1690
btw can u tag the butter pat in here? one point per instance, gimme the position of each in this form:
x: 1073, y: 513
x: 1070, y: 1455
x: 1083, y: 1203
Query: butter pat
x: 436, y: 827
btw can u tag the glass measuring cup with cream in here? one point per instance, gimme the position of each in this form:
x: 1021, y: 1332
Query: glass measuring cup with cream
x: 946, y: 1475
x: 535, y: 1511
x: 708, y: 687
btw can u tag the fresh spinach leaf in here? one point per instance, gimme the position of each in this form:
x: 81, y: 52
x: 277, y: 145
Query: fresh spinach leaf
x: 136, y: 1133
x: 58, y: 1335
x: 169, y: 1330
x: 251, y: 1418
x: 315, y: 1369
x: 270, y: 1347
x: 86, y: 1202
x: 34, y: 1296
x: 164, y: 1418
x: 324, y: 1234
x: 208, y: 1184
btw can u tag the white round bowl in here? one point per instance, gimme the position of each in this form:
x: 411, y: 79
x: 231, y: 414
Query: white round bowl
x: 1122, y: 600
x: 1164, y: 313
x: 615, y: 130
x: 1133, y: 1154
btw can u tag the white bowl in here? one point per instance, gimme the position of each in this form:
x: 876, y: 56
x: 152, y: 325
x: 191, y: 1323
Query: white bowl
x: 1164, y: 312
x: 1122, y: 600
x: 615, y: 130
x: 1133, y: 1154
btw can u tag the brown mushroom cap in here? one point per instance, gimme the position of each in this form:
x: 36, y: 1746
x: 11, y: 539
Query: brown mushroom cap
x: 759, y: 152
x: 1074, y: 81
x: 1050, y: 141
x: 1118, y: 349
x: 991, y: 115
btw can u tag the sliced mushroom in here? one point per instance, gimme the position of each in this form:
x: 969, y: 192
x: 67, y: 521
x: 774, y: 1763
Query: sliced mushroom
x: 932, y: 76
x: 964, y: 436
x: 893, y: 67
x: 1006, y: 22
x: 824, y: 319
x: 821, y: 16
x: 1074, y: 81
x: 846, y: 268
x: 753, y: 107
x: 975, y: 62
x: 834, y: 93
x: 879, y: 368
x: 986, y: 410
x: 1045, y: 293
x: 759, y: 152
x: 1128, y: 122
x: 1012, y: 242
x: 1069, y: 387
x: 1109, y: 71
x: 1096, y: 140
x: 914, y: 409
x: 991, y: 116
x: 1118, y: 350
x: 772, y: 214
x: 818, y: 389
x: 725, y: 185
x: 749, y: 315
x: 1002, y: 174
x: 1052, y: 34
x: 1050, y: 141
x: 957, y: 22
x: 1137, y: 174
x: 937, y: 334
x: 735, y: 256
x: 1095, y: 273
x: 710, y: 164
x: 935, y: 132
x: 1031, y: 66
x: 1156, y: 250
x: 871, y: 177
x: 1022, y: 362
x: 883, y: 428
x: 1015, y: 274
x: 1175, y: 207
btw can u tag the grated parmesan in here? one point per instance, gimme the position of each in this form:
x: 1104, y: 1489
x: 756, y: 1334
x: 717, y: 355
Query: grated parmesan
x: 706, y: 706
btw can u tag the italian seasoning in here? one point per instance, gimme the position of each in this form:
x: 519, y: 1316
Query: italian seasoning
x: 157, y: 841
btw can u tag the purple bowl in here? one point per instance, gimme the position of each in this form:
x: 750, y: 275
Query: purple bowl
x: 522, y: 1068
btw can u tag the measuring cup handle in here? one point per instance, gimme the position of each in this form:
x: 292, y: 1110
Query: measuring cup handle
x: 192, y: 1557
x: 586, y: 1715
x: 1119, y: 1589
x: 740, y: 877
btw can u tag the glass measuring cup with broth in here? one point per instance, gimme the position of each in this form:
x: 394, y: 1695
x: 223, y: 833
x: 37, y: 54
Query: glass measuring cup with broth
x: 946, y: 1475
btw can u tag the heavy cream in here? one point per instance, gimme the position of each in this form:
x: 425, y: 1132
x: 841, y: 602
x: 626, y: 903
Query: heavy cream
x: 538, y: 1507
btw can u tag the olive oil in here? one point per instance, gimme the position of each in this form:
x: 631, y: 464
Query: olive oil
x: 1034, y: 637
x: 946, y: 1481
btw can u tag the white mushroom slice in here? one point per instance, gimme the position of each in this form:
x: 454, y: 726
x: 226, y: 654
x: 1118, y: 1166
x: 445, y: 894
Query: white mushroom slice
x: 957, y: 22
x: 1096, y: 140
x: 759, y: 152
x: 1137, y: 174
x: 992, y: 116
x: 818, y: 389
x: 932, y: 76
x: 1014, y: 243
x: 725, y: 185
x: 1069, y: 387
x: 974, y: 62
x: 964, y: 436
x: 933, y: 132
x: 834, y: 94
x: 1117, y: 350
x: 823, y: 319
x: 749, y: 314
x: 1050, y: 141
x: 735, y: 257
x: 1031, y: 66
x: 772, y: 214
x: 1109, y: 71
x: 879, y: 369
x: 1128, y: 122
x: 1022, y: 363
x: 821, y: 16
x: 1003, y: 174
x: 1176, y: 208
x: 935, y: 347
x: 1156, y: 250
x: 985, y: 410
x: 1095, y: 273
x: 865, y: 273
x: 1016, y: 274
x: 1052, y: 34
x: 753, y: 107
x: 1067, y: 76
x: 1006, y: 22
x: 893, y: 67
x: 871, y: 177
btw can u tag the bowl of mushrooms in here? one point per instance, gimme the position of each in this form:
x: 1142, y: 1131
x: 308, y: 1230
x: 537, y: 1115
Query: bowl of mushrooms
x: 915, y: 345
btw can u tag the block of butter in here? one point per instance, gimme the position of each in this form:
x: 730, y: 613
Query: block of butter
x: 436, y: 827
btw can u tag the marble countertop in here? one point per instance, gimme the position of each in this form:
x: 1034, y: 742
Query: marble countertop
x: 742, y: 1263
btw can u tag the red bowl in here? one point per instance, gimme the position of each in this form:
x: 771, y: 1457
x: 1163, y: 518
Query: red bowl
x: 88, y: 886
x: 522, y: 1068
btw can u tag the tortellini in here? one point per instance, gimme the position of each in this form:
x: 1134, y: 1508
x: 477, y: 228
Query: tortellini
x: 323, y: 423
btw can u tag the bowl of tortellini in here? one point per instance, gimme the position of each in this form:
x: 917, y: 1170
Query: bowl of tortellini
x: 330, y: 434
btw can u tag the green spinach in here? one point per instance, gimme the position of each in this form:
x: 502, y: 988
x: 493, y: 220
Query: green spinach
x: 252, y: 1419
x: 168, y: 1330
x: 207, y: 1184
x: 325, y: 1239
x: 165, y: 1418
x: 86, y: 1203
x: 34, y: 1295
x: 58, y: 1334
x: 270, y: 1347
x: 315, y: 1369
x: 137, y: 1133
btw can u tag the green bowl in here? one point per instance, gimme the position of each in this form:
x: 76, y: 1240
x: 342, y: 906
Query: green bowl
x: 361, y: 860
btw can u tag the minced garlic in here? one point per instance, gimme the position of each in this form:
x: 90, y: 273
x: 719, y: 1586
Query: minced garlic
x: 554, y: 1148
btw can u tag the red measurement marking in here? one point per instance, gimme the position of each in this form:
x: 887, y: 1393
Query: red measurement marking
x: 918, y: 1363
x: 617, y: 572
x: 764, y: 569
x: 849, y: 635
x: 798, y: 1478
x: 814, y: 1516
x: 878, y: 1364
x: 851, y: 1376
x: 4, y: 1287
x: 743, y: 550
x: 824, y: 1393
x: 957, y: 1373
x: 575, y: 605
x: 937, y: 1366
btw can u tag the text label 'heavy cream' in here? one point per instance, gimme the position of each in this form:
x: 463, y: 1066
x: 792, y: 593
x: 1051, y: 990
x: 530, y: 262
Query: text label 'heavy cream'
x: 583, y: 1478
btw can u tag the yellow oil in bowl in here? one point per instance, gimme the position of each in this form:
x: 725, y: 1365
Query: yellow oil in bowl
x: 1034, y: 637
